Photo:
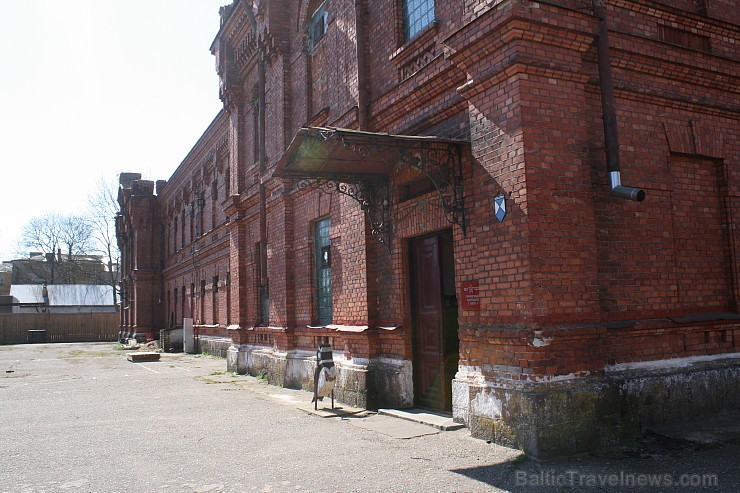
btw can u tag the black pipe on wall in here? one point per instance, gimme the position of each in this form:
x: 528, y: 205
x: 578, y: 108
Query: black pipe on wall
x: 611, y: 138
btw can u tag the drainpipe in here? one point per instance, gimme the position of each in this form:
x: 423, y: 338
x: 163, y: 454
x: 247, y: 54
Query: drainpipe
x: 261, y: 136
x: 363, y: 107
x: 611, y: 139
x: 262, y: 166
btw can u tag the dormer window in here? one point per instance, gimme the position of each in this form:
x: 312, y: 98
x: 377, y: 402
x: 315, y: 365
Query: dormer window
x: 317, y: 26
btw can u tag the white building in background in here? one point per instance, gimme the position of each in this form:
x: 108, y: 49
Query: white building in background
x: 62, y: 298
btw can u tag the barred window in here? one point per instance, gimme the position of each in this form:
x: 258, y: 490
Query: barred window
x: 417, y: 14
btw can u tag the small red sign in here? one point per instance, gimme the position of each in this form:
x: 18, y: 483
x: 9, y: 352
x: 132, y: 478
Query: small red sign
x: 470, y: 299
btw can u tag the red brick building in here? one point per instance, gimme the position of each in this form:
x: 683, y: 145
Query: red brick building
x: 525, y: 213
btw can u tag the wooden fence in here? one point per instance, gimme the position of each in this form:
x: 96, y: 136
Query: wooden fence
x: 59, y: 327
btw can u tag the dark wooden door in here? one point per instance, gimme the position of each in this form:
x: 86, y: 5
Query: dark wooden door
x: 429, y: 388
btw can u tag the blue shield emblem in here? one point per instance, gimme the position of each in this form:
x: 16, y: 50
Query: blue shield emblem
x: 499, y: 207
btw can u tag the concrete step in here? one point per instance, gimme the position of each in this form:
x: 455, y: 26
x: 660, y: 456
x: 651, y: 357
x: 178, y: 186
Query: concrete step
x: 142, y: 357
x: 441, y: 421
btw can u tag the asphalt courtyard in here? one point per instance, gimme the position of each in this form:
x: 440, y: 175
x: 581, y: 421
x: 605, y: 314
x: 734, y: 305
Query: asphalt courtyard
x: 81, y: 418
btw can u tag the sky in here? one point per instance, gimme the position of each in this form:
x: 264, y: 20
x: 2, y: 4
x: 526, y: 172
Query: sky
x: 92, y: 88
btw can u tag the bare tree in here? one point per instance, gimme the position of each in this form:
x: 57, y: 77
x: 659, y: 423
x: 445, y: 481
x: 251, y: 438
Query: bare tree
x: 103, y: 207
x: 54, y: 234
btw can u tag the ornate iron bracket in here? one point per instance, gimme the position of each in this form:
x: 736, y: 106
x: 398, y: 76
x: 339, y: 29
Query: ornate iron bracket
x: 373, y: 195
x: 440, y: 162
x: 359, y: 165
x: 443, y: 167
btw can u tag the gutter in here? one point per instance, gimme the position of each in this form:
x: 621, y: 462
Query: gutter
x: 363, y: 103
x: 609, y: 114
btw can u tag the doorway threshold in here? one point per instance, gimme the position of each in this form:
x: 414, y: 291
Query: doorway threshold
x: 439, y: 420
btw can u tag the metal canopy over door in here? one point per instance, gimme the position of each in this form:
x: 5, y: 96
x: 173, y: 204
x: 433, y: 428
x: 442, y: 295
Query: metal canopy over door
x: 434, y: 316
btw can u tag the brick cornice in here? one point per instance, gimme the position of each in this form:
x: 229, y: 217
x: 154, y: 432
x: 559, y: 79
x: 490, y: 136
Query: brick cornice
x: 663, y: 12
x: 433, y: 82
x: 520, y: 66
x: 723, y: 74
x: 472, y: 43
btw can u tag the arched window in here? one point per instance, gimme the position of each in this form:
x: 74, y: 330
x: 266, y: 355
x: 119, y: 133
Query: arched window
x: 322, y: 56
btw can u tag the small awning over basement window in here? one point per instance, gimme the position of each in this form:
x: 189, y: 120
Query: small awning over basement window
x: 359, y: 164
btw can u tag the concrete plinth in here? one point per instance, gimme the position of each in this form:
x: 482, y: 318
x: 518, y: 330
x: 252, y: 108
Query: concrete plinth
x: 547, y: 419
x: 360, y: 383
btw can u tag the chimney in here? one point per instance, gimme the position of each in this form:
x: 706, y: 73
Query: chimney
x: 125, y: 179
x: 160, y: 186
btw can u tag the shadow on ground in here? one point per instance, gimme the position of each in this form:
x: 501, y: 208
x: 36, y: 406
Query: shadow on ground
x: 654, y: 463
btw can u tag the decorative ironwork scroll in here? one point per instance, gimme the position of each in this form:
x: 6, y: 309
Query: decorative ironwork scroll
x: 440, y: 162
x: 358, y: 164
x: 442, y: 165
x: 371, y: 194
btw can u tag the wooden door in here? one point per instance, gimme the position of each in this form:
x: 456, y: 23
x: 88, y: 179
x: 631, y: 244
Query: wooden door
x: 429, y: 387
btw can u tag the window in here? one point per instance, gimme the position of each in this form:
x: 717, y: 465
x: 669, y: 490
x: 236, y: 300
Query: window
x: 167, y: 235
x: 192, y: 221
x: 200, y: 202
x: 263, y: 286
x: 214, y: 301
x: 228, y: 298
x: 214, y: 200
x: 684, y: 38
x: 182, y: 230
x: 202, y: 314
x: 317, y: 26
x: 256, y: 127
x: 417, y: 14
x: 416, y: 188
x: 322, y: 245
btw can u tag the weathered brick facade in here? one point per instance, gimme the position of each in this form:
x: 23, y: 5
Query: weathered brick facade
x: 575, y: 321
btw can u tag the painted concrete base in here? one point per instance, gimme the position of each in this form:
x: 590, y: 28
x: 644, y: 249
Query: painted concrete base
x: 360, y: 383
x: 547, y: 419
x: 215, y: 346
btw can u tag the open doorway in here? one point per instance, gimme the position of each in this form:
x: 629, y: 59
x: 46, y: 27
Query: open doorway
x: 436, y: 345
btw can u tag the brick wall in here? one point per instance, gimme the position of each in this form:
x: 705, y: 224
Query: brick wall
x: 574, y: 279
